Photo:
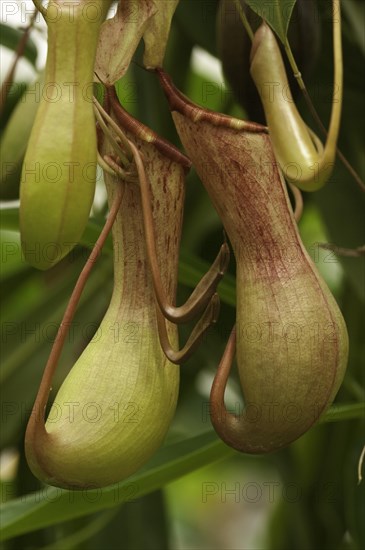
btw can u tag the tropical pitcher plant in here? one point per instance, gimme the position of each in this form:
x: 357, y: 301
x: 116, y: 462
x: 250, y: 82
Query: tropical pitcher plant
x: 291, y: 374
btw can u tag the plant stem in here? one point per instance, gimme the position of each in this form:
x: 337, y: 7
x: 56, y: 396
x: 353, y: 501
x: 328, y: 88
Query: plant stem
x: 244, y: 19
x: 5, y: 88
x: 338, y: 413
x: 346, y: 252
x: 39, y: 6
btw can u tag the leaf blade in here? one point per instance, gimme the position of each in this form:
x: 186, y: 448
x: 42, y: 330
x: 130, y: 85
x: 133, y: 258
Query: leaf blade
x: 51, y: 506
x: 10, y: 37
x: 276, y: 12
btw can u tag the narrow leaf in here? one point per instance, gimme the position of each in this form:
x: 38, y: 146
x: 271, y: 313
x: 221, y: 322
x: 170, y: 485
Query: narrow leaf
x: 51, y: 505
x: 345, y: 411
x: 10, y: 37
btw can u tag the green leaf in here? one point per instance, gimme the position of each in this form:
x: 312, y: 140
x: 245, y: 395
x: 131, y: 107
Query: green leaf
x: 10, y: 37
x: 354, y: 496
x: 198, y: 20
x: 9, y: 219
x: 276, y: 12
x: 346, y: 411
x: 51, y: 506
x: 14, y: 95
x: 149, y: 511
x: 92, y: 527
x: 355, y: 15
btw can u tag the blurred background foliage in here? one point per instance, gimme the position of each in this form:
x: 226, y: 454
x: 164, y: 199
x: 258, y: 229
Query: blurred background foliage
x: 196, y: 493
